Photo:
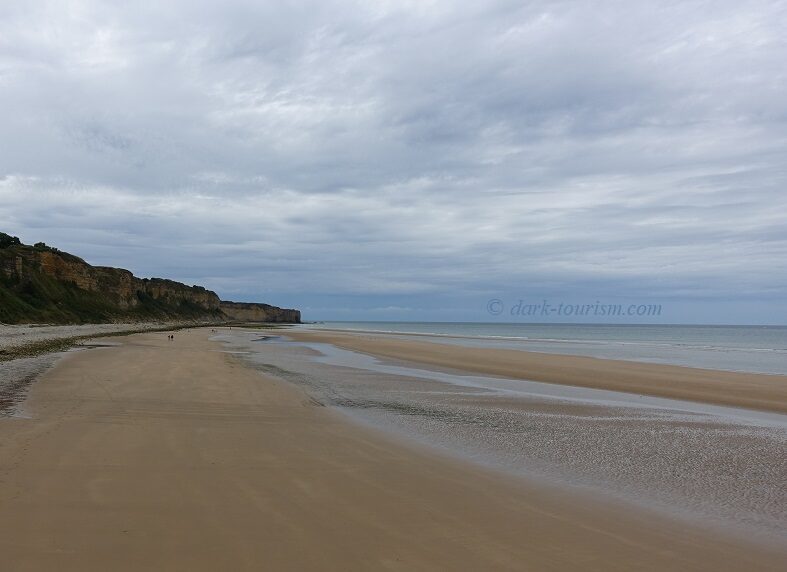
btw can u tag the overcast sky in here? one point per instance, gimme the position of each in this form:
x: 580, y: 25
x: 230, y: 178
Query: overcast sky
x: 408, y: 160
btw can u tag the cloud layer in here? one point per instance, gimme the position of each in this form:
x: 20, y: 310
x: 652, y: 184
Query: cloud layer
x: 408, y: 159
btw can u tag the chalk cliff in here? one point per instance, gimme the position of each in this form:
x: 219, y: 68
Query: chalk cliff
x: 42, y: 284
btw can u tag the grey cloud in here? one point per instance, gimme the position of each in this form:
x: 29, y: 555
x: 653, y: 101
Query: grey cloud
x: 333, y: 148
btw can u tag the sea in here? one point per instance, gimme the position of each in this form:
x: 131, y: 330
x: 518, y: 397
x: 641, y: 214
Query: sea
x: 759, y: 349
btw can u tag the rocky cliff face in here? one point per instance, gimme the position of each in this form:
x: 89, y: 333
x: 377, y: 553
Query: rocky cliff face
x: 118, y: 286
x: 251, y: 312
x: 40, y: 283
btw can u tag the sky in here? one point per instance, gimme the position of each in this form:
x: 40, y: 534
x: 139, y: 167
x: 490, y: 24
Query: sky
x: 409, y: 160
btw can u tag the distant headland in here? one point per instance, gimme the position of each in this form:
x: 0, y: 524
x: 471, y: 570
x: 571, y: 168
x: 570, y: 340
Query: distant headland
x: 41, y: 284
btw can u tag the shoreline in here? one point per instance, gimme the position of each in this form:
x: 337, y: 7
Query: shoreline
x: 765, y: 392
x: 174, y: 455
x: 622, y: 446
x: 28, y: 340
x: 28, y: 351
x: 719, y: 354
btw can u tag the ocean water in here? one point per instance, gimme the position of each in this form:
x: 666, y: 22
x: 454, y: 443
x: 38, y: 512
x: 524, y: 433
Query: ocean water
x: 761, y: 349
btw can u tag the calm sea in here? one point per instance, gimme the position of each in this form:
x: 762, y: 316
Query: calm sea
x: 736, y: 348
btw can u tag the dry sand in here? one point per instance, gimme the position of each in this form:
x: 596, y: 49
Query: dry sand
x: 14, y: 336
x: 748, y: 390
x: 26, y: 352
x: 159, y: 455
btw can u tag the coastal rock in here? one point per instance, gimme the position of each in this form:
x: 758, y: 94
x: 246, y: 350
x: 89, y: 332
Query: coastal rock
x: 119, y: 286
x: 252, y: 312
x: 42, y: 284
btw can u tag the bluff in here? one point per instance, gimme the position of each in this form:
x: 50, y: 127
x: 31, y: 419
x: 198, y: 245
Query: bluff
x: 40, y: 283
x: 252, y: 312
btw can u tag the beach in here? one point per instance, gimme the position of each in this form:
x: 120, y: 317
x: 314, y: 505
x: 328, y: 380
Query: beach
x: 174, y: 455
x: 737, y: 389
x: 17, y: 337
x: 386, y: 286
x: 28, y: 350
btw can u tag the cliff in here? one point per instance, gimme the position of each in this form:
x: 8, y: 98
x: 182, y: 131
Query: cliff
x: 252, y: 312
x: 42, y: 284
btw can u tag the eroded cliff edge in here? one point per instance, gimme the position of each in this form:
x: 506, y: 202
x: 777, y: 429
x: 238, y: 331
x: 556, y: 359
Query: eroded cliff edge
x: 252, y: 312
x: 42, y: 284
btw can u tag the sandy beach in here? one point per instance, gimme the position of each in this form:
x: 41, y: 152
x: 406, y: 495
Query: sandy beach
x: 21, y: 335
x: 28, y: 350
x: 162, y: 455
x: 754, y: 391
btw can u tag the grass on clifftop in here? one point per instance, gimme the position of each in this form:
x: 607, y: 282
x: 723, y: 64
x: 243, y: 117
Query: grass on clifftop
x: 44, y: 299
x: 40, y: 298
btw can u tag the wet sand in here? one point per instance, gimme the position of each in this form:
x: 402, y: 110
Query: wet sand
x: 720, y: 466
x: 159, y: 455
x: 754, y: 391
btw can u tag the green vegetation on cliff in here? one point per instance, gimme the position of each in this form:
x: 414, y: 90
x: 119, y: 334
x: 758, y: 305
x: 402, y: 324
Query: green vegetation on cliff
x: 30, y: 291
x: 41, y: 284
x: 39, y: 298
